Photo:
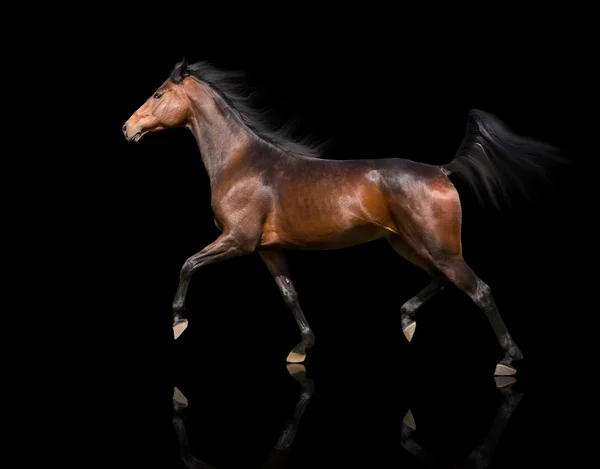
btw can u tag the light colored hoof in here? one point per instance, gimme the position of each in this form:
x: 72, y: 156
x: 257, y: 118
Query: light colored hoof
x: 179, y: 328
x: 294, y: 357
x: 179, y: 398
x: 409, y: 331
x: 409, y: 420
x: 504, y: 381
x: 295, y: 369
x: 504, y: 370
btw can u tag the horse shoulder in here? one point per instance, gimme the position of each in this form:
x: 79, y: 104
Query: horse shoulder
x: 243, y: 201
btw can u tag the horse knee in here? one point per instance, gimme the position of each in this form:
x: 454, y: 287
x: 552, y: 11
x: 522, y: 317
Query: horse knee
x: 187, y: 269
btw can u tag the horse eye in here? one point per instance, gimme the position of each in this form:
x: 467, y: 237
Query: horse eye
x: 157, y: 95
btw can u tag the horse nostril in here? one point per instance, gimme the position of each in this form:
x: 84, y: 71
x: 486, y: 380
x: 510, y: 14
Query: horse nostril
x: 125, y: 128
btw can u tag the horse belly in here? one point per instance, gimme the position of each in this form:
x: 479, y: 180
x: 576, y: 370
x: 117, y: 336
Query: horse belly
x: 321, y: 230
x: 333, y: 240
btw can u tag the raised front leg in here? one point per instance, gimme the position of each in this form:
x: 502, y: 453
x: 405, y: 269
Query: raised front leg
x: 224, y: 247
x: 277, y: 265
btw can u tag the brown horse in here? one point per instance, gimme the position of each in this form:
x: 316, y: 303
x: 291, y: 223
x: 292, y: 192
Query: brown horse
x: 269, y: 193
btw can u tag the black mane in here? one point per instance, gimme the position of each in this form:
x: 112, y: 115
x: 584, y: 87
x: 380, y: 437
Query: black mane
x: 232, y: 88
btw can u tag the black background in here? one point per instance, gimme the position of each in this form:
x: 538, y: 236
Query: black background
x: 139, y: 210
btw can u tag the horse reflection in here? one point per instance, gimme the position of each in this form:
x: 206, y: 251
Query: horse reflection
x: 279, y: 455
x: 480, y: 456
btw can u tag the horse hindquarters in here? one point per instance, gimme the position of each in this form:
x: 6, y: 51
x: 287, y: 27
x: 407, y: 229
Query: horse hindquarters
x: 428, y: 224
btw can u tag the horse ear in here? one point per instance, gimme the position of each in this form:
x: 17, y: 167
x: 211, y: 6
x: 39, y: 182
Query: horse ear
x: 180, y: 71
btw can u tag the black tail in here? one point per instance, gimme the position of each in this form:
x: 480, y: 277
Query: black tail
x: 497, y: 163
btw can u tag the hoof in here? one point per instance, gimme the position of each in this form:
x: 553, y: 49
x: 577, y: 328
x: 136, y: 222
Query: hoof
x: 179, y: 328
x: 409, y: 420
x: 294, y: 357
x: 179, y: 398
x: 409, y: 330
x: 295, y: 369
x: 504, y: 370
x: 504, y: 381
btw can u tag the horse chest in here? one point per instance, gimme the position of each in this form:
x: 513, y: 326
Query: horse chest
x: 238, y: 205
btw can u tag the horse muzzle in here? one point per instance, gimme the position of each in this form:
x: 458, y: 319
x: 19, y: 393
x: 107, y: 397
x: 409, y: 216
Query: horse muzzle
x: 131, y: 135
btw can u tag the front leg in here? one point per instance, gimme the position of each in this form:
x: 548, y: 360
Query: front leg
x: 275, y: 261
x: 225, y: 247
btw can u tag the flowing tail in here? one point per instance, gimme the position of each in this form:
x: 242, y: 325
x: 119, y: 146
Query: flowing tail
x: 498, y: 163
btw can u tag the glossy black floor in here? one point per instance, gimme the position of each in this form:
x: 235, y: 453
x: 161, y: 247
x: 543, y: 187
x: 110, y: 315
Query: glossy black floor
x: 383, y: 412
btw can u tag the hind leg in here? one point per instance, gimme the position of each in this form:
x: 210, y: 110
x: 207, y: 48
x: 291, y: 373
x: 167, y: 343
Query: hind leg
x: 429, y: 224
x: 461, y: 275
x: 409, y: 309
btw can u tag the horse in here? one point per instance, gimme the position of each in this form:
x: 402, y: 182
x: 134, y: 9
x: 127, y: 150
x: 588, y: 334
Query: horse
x: 271, y: 193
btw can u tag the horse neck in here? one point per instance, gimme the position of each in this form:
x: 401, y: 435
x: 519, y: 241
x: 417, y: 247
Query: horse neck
x: 223, y: 140
x: 217, y: 140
